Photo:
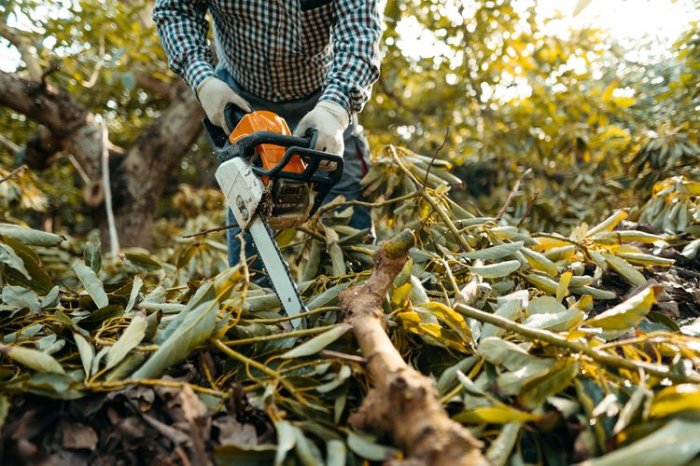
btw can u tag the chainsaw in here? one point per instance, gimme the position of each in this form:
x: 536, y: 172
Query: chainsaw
x: 271, y: 180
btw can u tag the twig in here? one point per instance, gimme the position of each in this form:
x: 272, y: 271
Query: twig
x: 512, y: 194
x: 111, y: 224
x: 437, y: 152
x: 301, y: 315
x: 17, y: 171
x: 344, y: 356
x: 369, y: 205
x: 119, y: 384
x: 261, y: 367
x: 279, y: 336
x: 206, y: 232
x: 530, y: 205
x: 575, y: 346
x: 429, y: 199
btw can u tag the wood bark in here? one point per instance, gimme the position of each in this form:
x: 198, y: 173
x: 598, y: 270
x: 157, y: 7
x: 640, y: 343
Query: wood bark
x: 139, y: 174
x: 403, y: 403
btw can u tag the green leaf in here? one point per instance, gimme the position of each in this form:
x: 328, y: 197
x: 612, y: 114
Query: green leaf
x: 183, y: 335
x: 86, y: 351
x: 365, y: 446
x: 135, y: 289
x: 30, y: 236
x: 510, y: 310
x: 318, y: 342
x: 129, y: 340
x: 40, y: 281
x: 92, y: 284
x: 495, y: 252
x: 536, y: 391
x: 636, y: 401
x: 503, y: 353
x: 4, y: 410
x: 500, y: 270
x: 285, y: 440
x: 675, y: 444
x: 9, y: 257
x: 545, y: 305
x: 558, y: 322
x: 628, y: 313
x: 343, y: 374
x: 625, y: 269
x: 539, y: 262
x: 93, y: 254
x: 448, y: 378
x: 37, y: 360
x: 500, y: 449
x: 336, y: 453
x: 21, y: 298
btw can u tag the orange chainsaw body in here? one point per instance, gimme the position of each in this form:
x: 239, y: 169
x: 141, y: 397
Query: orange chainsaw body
x: 270, y: 154
x: 291, y: 201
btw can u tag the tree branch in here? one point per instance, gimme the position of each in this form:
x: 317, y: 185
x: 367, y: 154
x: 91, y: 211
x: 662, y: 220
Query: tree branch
x: 403, y: 403
x: 598, y: 356
x: 25, y: 48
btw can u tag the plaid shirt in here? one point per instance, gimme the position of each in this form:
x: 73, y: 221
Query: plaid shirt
x: 277, y: 49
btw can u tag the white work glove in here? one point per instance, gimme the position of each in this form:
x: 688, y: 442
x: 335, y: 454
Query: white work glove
x: 214, y: 94
x: 330, y: 120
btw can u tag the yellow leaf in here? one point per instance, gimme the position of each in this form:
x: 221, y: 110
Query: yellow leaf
x: 449, y: 317
x: 608, y: 224
x: 400, y: 293
x: 563, y: 286
x: 628, y: 313
x: 671, y: 400
x: 499, y: 414
x: 539, y: 262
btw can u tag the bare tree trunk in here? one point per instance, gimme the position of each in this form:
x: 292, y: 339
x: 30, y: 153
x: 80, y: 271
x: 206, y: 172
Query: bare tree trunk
x: 139, y: 175
x: 403, y: 403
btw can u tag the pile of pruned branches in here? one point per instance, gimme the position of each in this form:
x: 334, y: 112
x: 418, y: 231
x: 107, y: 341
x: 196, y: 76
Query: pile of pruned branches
x: 462, y: 339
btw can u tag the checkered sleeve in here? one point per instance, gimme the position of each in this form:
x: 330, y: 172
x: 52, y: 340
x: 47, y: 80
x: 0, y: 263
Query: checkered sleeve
x: 183, y: 28
x: 355, y: 66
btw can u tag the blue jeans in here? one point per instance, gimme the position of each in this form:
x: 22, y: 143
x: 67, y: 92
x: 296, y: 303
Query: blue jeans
x: 355, y: 158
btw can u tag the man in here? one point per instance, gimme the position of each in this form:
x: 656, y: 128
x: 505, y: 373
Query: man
x: 312, y: 62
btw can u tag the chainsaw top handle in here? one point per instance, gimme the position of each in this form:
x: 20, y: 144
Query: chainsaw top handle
x: 296, y: 146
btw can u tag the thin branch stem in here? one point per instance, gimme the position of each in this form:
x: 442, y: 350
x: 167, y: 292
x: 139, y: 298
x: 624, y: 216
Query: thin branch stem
x: 512, y: 194
x: 13, y: 173
x: 433, y: 203
x: 261, y: 367
x: 576, y: 346
x: 279, y: 336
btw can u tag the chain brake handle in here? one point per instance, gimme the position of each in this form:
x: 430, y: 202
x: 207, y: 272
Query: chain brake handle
x: 322, y: 180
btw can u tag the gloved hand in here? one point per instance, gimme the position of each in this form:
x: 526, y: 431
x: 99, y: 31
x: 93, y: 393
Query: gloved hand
x: 330, y: 120
x: 214, y: 94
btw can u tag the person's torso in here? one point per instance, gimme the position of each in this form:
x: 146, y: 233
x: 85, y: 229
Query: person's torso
x: 277, y: 49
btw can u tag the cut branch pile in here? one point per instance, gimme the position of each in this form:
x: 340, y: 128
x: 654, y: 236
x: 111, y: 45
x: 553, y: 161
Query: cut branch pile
x: 462, y: 340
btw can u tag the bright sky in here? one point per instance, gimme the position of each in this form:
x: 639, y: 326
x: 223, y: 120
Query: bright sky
x: 627, y: 21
